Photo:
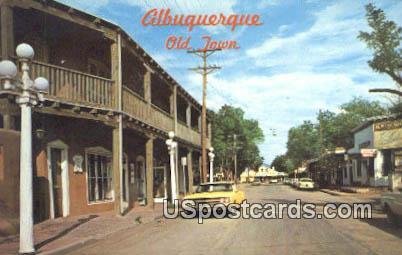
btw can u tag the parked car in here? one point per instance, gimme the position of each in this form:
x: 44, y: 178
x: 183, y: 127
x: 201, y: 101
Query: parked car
x: 306, y: 183
x: 392, y: 205
x: 217, y: 192
x: 273, y: 181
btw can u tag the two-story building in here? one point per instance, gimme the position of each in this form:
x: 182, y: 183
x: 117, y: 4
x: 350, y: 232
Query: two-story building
x: 99, y: 138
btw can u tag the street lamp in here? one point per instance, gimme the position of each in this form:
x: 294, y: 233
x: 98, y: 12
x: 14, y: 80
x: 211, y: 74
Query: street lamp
x: 30, y: 94
x: 172, y: 146
x: 211, y: 164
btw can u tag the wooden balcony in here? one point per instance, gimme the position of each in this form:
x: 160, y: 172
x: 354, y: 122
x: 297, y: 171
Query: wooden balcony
x: 74, y: 86
x: 137, y: 107
x: 188, y: 134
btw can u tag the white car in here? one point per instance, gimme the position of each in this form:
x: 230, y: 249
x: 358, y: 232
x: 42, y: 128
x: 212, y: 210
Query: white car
x: 306, y: 183
x: 273, y: 181
x: 392, y: 205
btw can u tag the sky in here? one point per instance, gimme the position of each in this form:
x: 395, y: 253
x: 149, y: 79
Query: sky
x: 303, y: 58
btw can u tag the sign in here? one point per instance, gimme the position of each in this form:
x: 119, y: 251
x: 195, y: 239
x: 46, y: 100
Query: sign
x: 368, y: 153
x: 184, y: 161
x: 388, y: 125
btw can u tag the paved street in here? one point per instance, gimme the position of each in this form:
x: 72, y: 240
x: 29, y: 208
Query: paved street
x: 226, y: 236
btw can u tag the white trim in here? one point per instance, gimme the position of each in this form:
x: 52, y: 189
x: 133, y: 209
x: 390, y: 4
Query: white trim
x: 58, y: 144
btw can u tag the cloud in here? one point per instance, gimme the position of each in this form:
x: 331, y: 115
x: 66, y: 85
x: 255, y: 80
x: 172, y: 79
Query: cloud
x: 332, y: 37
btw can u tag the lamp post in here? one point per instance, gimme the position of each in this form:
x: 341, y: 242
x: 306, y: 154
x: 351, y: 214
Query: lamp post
x: 211, y: 164
x: 172, y: 145
x: 30, y: 94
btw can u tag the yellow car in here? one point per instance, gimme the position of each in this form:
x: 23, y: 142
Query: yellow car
x: 217, y: 192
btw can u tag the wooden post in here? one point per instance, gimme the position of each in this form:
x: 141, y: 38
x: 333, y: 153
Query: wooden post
x: 7, y: 31
x: 147, y: 84
x: 173, y: 107
x: 7, y: 121
x: 117, y: 167
x: 116, y: 72
x: 190, y: 170
x: 188, y: 115
x: 149, y: 159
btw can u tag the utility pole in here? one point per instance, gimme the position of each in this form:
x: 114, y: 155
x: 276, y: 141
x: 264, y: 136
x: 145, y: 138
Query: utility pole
x: 234, y: 151
x: 204, y: 70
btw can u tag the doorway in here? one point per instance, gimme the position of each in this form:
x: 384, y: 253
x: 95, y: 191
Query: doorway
x: 160, y: 184
x: 140, y: 180
x: 58, y: 179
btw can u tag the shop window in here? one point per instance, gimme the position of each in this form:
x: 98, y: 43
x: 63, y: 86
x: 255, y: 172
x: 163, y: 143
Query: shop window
x: 1, y: 121
x: 99, y: 169
x: 387, y: 163
x: 398, y: 161
x: 370, y: 167
x: 345, y: 172
x: 359, y: 168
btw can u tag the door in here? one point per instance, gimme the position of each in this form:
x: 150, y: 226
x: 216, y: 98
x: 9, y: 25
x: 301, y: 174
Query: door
x: 140, y: 179
x: 57, y: 185
x: 160, y: 184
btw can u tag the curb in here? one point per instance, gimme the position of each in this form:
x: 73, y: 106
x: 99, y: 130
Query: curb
x: 68, y: 248
x: 330, y: 192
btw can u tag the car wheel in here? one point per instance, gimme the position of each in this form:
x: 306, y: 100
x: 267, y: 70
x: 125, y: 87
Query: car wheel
x: 392, y: 217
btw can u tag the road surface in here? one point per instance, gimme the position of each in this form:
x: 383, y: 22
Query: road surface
x: 259, y: 236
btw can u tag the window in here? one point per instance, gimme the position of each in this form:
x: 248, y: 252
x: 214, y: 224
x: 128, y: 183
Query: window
x: 99, y: 178
x: 370, y: 166
x: 359, y: 168
x: 345, y: 172
x: 387, y: 163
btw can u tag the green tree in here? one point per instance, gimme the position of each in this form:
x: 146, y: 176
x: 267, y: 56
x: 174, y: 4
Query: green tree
x: 282, y: 164
x: 303, y: 143
x: 229, y: 121
x: 331, y: 130
x: 384, y: 40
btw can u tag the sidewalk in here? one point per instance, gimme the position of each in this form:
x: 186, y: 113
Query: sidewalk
x: 62, y: 234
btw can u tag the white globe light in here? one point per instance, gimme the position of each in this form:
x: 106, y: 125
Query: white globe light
x: 211, y: 149
x: 8, y: 69
x: 171, y: 134
x: 41, y: 84
x: 25, y: 51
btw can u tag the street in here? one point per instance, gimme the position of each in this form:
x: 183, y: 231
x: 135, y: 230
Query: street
x: 259, y: 236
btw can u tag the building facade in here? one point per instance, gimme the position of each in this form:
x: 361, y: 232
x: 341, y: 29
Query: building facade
x: 99, y: 138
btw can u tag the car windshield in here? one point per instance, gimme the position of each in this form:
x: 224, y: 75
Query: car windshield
x: 306, y: 180
x: 214, y: 188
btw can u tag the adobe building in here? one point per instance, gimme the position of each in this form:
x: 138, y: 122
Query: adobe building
x: 99, y: 138
x: 376, y: 158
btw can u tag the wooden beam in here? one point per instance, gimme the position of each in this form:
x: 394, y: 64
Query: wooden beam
x: 190, y: 170
x: 7, y: 31
x: 117, y: 159
x: 149, y: 158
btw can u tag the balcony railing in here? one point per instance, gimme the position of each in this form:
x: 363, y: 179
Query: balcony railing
x: 74, y: 86
x: 188, y: 134
x: 136, y: 106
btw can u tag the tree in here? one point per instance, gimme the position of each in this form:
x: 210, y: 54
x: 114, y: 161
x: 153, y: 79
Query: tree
x: 229, y: 121
x: 331, y: 130
x: 282, y: 164
x: 384, y: 40
x: 303, y: 143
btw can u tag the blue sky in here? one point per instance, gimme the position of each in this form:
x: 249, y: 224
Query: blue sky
x: 305, y: 57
